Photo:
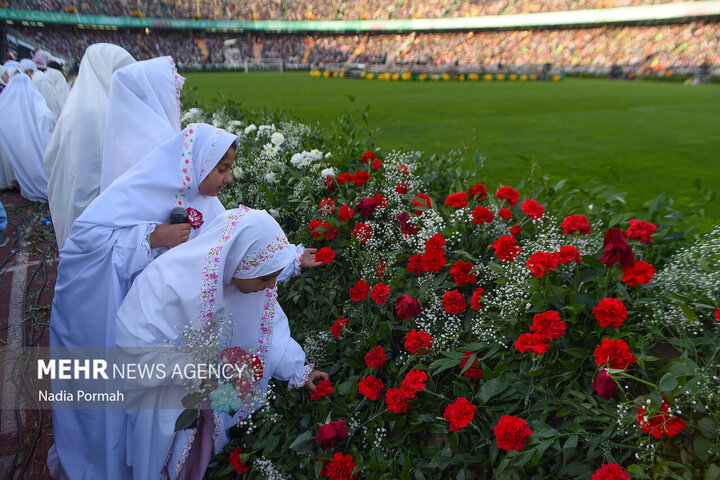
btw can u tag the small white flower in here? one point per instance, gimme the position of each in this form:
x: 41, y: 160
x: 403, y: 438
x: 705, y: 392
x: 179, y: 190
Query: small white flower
x: 270, y: 178
x: 269, y: 150
x: 277, y: 138
x: 328, y: 155
x: 328, y: 172
x: 274, y: 213
x: 250, y: 128
x: 315, y: 154
x: 237, y: 171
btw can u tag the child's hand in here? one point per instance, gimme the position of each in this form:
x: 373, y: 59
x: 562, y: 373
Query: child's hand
x: 311, y: 379
x: 308, y: 259
x: 170, y: 235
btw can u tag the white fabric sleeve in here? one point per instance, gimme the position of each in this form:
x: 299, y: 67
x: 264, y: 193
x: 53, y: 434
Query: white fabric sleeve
x: 292, y: 269
x: 289, y: 363
x: 132, y: 252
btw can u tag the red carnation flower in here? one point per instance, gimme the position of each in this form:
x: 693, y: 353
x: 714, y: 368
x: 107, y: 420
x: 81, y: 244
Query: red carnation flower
x: 541, y: 263
x: 407, y: 307
x: 611, y: 471
x: 380, y: 293
x: 511, y: 433
x: 662, y: 423
x: 422, y: 202
x: 330, y: 183
x: 330, y: 433
x: 397, y: 400
x: 473, y: 372
x: 376, y: 164
x: 567, y: 254
x: 459, y: 413
x: 509, y: 194
x: 380, y: 269
x: 338, y: 326
x: 344, y: 178
x: 195, y: 218
x: 453, y: 302
x: 515, y: 230
x: 603, y: 384
x: 506, y: 248
x: 327, y: 206
x: 532, y: 209
x: 401, y: 188
x: 717, y: 314
x: 406, y: 227
x: 359, y: 291
x: 360, y: 178
x: 575, y: 224
x: 403, y: 169
x: 322, y: 389
x: 613, y: 354
x: 340, y: 468
x: 532, y: 342
x: 548, y: 325
x: 414, y: 381
x: 320, y: 230
x: 639, y: 274
x: 478, y: 190
x: 434, y: 260
x: 477, y: 298
x: 345, y: 213
x: 325, y: 255
x: 362, y: 232
x: 505, y: 213
x: 617, y: 249
x: 461, y: 273
x: 417, y: 342
x: 367, y: 156
x: 482, y: 215
x: 237, y: 463
x: 457, y: 200
x: 415, y: 264
x: 435, y: 242
x: 381, y: 201
x: 375, y: 358
x: 642, y: 231
x: 371, y: 387
x: 610, y: 312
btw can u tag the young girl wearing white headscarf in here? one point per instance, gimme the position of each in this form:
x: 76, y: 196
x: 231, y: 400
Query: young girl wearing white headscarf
x: 25, y: 135
x: 143, y: 111
x: 73, y: 159
x: 44, y: 85
x: 114, y: 239
x: 227, y: 274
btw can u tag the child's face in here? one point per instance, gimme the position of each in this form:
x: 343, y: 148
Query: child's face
x: 219, y: 176
x: 252, y: 285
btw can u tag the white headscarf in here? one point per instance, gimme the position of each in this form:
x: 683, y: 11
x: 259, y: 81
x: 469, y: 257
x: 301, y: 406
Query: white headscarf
x: 12, y: 66
x: 143, y: 112
x: 73, y: 159
x: 190, y: 287
x: 3, y: 71
x: 26, y: 136
x: 28, y: 65
x: 106, y: 249
x: 44, y: 85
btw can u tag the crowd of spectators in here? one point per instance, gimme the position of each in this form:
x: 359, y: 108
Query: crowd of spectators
x: 316, y: 9
x: 655, y: 46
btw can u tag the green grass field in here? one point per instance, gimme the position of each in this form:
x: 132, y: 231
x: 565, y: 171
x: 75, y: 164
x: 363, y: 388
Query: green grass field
x: 643, y: 138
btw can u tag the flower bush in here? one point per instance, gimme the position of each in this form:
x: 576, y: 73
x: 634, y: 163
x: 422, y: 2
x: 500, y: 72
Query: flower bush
x: 489, y: 331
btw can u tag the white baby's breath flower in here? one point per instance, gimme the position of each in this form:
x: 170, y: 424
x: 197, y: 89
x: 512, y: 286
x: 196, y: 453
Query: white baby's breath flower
x: 277, y: 138
x: 270, y: 178
x: 250, y: 128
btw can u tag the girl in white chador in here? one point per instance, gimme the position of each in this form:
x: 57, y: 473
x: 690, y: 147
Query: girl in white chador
x: 143, y: 111
x: 227, y: 275
x: 57, y: 79
x: 24, y: 135
x: 73, y: 159
x: 116, y: 237
x: 44, y: 85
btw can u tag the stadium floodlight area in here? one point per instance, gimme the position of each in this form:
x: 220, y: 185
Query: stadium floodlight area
x: 658, y: 12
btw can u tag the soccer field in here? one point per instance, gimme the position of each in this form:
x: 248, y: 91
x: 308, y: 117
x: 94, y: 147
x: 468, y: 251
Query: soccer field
x: 642, y: 138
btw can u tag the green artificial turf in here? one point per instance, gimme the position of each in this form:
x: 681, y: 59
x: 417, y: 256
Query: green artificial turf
x: 643, y: 138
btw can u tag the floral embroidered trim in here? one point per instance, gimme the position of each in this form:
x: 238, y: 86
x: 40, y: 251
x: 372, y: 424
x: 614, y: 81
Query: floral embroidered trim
x: 298, y: 264
x: 185, y: 452
x: 212, y: 263
x: 146, y: 244
x: 303, y: 378
x: 254, y: 259
x: 186, y: 164
x: 212, y: 147
x: 179, y: 82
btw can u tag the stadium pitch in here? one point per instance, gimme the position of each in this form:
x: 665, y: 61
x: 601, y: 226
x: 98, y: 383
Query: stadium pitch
x: 642, y: 137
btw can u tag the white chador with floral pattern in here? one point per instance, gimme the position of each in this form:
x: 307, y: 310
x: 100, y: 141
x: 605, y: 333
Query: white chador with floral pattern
x: 143, y: 112
x: 190, y: 287
x: 107, y: 247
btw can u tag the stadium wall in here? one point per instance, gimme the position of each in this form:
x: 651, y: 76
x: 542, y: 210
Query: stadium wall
x: 659, y: 12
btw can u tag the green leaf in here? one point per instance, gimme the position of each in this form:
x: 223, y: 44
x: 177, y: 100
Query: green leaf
x: 702, y: 448
x: 406, y: 469
x: 712, y: 472
x: 569, y: 448
x: 668, y: 382
x: 491, y: 388
x: 186, y: 419
x: 707, y: 427
x: 303, y: 442
x: 192, y: 399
